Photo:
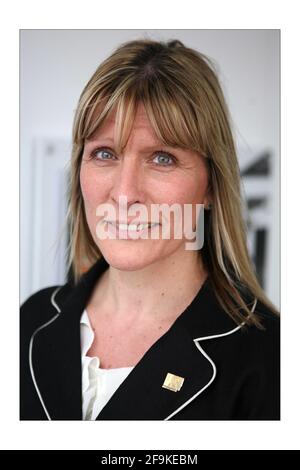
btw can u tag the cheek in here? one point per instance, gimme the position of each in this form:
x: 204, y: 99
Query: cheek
x: 196, y: 186
x: 92, y: 191
x: 184, y: 189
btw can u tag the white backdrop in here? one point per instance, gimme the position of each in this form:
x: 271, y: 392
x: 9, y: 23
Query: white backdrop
x: 54, y: 67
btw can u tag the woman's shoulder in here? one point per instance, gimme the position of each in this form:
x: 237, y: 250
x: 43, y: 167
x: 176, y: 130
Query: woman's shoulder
x: 252, y: 344
x: 40, y: 306
x: 263, y: 328
x: 248, y: 364
x: 261, y: 343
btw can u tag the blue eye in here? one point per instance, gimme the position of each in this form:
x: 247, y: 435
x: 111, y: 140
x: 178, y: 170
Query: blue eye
x: 106, y: 154
x: 164, y: 159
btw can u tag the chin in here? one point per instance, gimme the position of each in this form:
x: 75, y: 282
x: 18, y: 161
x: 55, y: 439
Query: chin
x: 127, y: 257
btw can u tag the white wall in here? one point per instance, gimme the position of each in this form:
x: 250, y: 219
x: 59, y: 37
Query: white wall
x: 56, y: 64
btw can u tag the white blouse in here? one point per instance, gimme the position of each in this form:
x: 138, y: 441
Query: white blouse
x: 98, y: 385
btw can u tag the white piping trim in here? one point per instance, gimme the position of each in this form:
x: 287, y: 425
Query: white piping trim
x: 196, y: 341
x: 53, y: 301
x: 31, y: 346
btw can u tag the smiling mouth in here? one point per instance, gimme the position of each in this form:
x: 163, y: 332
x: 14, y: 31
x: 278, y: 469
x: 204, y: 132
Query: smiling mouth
x: 131, y: 227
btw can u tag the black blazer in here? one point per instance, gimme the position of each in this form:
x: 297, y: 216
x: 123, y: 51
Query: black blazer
x: 230, y: 373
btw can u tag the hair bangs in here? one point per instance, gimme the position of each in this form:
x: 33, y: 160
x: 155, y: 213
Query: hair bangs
x: 173, y: 118
x: 171, y: 115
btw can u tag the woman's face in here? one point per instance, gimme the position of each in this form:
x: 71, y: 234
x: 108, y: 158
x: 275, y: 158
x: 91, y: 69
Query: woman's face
x: 146, y: 175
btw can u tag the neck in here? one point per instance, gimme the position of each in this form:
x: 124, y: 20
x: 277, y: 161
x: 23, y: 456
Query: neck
x: 160, y: 290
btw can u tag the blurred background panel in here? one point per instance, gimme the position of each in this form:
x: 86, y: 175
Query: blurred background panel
x: 54, y: 67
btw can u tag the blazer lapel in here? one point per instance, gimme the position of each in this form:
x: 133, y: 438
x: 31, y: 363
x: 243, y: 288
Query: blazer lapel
x: 141, y: 396
x: 56, y: 351
x: 57, y: 368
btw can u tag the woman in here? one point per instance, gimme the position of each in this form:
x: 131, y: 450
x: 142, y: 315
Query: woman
x: 148, y: 328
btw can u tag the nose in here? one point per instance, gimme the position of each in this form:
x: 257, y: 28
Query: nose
x: 128, y: 181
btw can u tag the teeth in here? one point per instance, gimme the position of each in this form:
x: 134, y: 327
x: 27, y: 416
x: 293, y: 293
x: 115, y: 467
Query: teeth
x: 130, y: 228
x: 134, y: 227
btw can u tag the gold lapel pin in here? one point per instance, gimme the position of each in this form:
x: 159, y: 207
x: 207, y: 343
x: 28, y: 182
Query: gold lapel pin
x: 173, y: 382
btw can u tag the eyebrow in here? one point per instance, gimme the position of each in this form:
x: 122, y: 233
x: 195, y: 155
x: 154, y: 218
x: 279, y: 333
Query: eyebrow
x: 109, y: 139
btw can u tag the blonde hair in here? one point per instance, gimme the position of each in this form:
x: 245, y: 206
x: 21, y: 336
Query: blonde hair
x: 180, y: 91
